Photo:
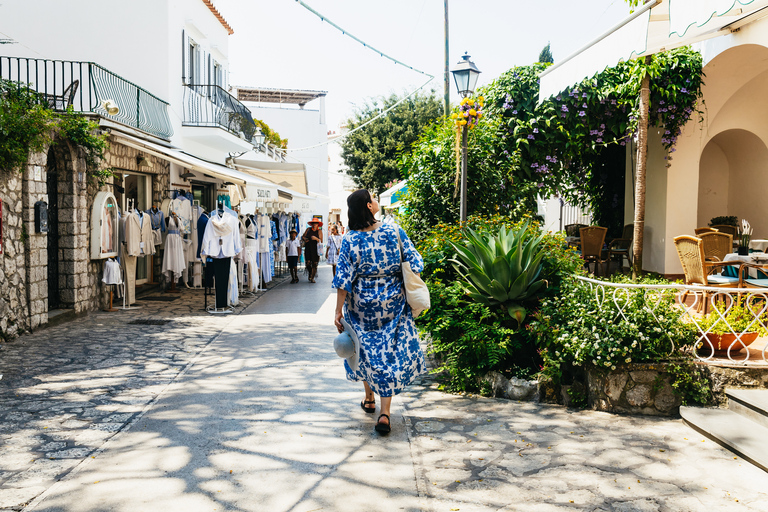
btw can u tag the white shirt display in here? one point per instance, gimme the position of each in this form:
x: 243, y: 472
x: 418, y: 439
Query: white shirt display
x: 222, y: 236
x: 183, y: 209
x: 147, y: 243
x: 132, y: 234
x: 265, y: 233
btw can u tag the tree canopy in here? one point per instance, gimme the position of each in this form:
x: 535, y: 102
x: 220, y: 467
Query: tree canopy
x: 371, y: 154
x: 546, y: 55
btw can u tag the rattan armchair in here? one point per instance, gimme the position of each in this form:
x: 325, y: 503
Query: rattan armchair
x: 592, y: 240
x: 622, y: 247
x: 573, y: 229
x: 716, y: 245
x: 701, y: 231
x: 725, y: 228
x: 690, y: 250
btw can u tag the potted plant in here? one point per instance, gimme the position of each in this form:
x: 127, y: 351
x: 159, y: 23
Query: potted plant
x: 725, y: 327
x: 745, y: 233
x: 724, y: 220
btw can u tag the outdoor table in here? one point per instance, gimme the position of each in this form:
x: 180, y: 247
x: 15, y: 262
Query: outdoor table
x: 754, y: 258
x: 758, y: 245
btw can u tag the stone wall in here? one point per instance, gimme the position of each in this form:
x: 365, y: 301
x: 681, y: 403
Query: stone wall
x: 24, y: 261
x: 634, y: 389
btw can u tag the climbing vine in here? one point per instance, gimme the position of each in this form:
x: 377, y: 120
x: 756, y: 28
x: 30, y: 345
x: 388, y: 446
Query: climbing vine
x: 27, y: 124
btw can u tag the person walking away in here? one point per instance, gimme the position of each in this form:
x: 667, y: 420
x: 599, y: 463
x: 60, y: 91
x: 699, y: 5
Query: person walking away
x: 312, y: 236
x: 334, y: 244
x: 370, y: 297
x: 293, y: 251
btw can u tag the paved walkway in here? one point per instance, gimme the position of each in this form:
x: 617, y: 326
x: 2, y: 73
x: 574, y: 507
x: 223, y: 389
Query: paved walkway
x: 261, y: 418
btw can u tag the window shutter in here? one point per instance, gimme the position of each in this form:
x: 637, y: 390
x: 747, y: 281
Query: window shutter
x: 183, y: 57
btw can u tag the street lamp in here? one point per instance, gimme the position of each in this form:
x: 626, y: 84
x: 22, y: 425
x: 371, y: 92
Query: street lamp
x: 465, y: 74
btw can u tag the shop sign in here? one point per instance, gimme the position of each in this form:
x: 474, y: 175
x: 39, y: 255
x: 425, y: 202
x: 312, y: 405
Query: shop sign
x: 263, y: 193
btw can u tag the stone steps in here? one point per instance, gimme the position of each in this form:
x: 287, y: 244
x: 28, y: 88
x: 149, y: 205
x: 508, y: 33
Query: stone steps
x: 742, y: 428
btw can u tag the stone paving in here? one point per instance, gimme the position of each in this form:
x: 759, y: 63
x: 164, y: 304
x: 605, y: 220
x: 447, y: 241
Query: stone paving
x: 67, y: 389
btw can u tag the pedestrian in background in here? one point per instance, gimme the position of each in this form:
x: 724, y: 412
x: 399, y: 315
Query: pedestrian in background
x: 311, y: 238
x: 371, y: 299
x: 334, y: 244
x: 292, y: 253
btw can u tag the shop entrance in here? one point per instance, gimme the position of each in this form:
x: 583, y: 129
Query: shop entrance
x: 52, y: 182
x: 136, y: 190
x: 204, y: 192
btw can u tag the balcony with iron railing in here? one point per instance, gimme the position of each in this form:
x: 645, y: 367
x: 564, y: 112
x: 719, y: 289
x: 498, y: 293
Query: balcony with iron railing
x: 89, y: 88
x: 213, y: 107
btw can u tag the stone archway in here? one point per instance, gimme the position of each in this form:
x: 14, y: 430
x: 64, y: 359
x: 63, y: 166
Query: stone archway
x: 733, y: 179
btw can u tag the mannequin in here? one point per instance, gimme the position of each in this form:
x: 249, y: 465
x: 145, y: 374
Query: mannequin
x: 221, y: 242
x: 131, y: 249
x: 173, y: 257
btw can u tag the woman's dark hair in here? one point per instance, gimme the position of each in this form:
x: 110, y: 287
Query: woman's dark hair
x: 360, y: 217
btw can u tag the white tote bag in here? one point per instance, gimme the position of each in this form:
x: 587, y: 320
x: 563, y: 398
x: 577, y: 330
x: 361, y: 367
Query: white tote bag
x: 416, y: 291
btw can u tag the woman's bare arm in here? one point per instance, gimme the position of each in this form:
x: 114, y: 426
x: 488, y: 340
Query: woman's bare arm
x: 341, y: 297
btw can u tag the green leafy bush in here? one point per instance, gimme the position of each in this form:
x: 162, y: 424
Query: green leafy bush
x: 724, y: 220
x: 741, y: 317
x: 580, y: 327
x: 502, y: 268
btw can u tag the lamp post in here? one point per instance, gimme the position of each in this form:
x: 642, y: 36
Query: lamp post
x: 465, y: 74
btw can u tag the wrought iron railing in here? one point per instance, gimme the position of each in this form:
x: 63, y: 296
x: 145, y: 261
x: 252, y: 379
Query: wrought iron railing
x: 86, y: 87
x: 692, y: 302
x: 212, y: 106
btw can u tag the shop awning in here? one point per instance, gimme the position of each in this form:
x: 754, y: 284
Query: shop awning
x: 656, y: 26
x: 287, y: 174
x: 177, y: 156
x: 392, y: 197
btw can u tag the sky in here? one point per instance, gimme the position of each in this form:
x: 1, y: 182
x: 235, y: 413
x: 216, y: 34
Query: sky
x: 280, y: 44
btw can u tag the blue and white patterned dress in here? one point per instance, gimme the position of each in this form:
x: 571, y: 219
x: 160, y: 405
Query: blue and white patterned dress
x: 368, y: 269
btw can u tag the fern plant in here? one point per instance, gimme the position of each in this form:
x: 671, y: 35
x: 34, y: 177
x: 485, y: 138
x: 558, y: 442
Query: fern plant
x: 502, y: 269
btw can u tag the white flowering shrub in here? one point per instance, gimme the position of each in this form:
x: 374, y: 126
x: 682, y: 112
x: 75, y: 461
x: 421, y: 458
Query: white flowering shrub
x: 585, y: 327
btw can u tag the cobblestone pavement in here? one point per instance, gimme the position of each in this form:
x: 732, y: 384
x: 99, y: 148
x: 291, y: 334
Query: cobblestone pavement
x: 67, y: 389
x: 477, y: 454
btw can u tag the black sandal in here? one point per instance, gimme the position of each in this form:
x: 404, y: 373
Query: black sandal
x: 369, y: 410
x: 383, y: 428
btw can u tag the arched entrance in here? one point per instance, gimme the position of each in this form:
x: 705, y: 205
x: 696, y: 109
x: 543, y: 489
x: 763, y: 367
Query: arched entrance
x: 733, y: 179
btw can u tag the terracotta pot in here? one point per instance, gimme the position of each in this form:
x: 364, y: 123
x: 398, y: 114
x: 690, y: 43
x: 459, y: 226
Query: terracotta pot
x: 721, y: 342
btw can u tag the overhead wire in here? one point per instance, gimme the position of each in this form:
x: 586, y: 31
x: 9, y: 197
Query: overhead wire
x: 383, y: 112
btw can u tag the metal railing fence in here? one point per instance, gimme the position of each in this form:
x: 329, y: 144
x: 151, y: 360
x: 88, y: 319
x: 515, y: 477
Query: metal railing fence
x: 692, y: 301
x: 212, y: 106
x: 86, y: 86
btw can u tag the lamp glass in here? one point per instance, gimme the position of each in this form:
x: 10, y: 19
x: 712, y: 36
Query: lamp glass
x: 465, y: 75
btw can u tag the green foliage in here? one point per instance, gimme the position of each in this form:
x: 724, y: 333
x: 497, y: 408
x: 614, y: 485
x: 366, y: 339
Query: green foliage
x: 545, y: 55
x: 271, y: 135
x: 583, y: 328
x: 742, y: 317
x: 371, y: 154
x: 431, y: 171
x: 28, y: 124
x: 579, y: 398
x: 470, y: 339
x: 502, y: 268
x: 558, y: 143
x: 691, y: 383
x: 25, y: 124
x: 724, y: 220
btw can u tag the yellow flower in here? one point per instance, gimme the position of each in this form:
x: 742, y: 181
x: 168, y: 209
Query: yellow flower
x: 479, y: 115
x: 463, y: 122
x: 473, y: 112
x: 454, y: 115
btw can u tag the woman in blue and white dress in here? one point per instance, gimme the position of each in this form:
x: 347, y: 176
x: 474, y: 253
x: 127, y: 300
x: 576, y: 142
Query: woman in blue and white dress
x: 371, y: 298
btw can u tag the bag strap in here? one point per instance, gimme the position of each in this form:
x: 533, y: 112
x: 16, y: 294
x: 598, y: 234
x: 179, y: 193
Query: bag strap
x: 399, y: 243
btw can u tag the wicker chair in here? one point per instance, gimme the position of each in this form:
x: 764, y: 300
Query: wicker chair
x: 573, y: 229
x: 592, y: 240
x: 701, y: 231
x: 690, y: 250
x: 622, y: 247
x: 716, y: 245
x: 724, y: 228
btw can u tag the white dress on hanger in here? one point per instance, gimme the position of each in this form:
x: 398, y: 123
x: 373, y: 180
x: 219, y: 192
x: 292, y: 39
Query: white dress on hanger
x: 173, y: 259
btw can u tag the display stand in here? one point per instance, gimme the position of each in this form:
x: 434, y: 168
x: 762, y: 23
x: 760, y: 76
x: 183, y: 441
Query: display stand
x: 111, y: 309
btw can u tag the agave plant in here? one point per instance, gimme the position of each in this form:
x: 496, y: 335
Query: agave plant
x: 501, y: 269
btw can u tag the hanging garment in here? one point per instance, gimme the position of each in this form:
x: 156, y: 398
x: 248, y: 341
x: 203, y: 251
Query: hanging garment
x: 129, y: 268
x: 222, y: 236
x: 112, y: 274
x: 250, y: 228
x: 158, y: 219
x: 132, y: 234
x: 173, y: 258
x: 221, y: 269
x: 183, y: 209
x: 251, y: 261
x: 147, y: 243
x: 232, y: 290
x: 201, y: 223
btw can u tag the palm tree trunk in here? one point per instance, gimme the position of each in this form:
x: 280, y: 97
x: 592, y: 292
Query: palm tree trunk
x: 642, y: 161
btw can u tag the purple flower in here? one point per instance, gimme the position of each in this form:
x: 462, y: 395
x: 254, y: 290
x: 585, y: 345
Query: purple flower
x: 584, y: 106
x: 584, y: 95
x: 582, y: 113
x: 564, y: 108
x: 514, y: 112
x: 530, y: 136
x: 599, y: 139
x: 602, y: 127
x: 535, y: 130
